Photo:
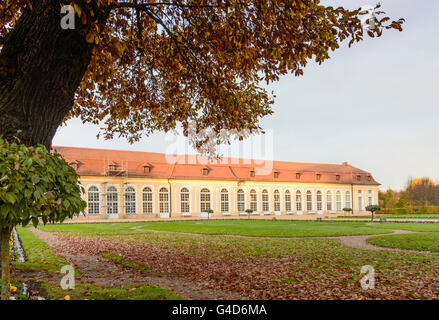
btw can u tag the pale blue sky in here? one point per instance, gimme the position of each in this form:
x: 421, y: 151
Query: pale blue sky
x: 373, y: 105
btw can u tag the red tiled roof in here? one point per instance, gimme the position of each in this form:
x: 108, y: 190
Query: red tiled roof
x: 168, y: 166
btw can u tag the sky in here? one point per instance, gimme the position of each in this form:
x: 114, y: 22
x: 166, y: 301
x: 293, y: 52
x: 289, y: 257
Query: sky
x: 373, y: 105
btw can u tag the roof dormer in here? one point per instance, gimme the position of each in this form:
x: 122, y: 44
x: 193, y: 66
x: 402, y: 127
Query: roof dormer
x: 74, y: 164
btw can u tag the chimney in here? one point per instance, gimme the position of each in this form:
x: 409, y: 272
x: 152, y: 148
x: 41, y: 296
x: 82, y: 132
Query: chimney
x: 344, y: 164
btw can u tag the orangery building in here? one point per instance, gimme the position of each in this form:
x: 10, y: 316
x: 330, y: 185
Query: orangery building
x: 145, y: 185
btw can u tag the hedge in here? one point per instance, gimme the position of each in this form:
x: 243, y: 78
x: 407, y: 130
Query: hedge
x: 410, y: 210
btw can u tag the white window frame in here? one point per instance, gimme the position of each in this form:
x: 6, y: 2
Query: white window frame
x: 299, y: 203
x: 225, y: 202
x: 309, y: 201
x: 276, y: 203
x: 288, y: 203
x: 147, y: 202
x: 164, y: 203
x: 131, y: 202
x: 252, y: 202
x: 185, y: 202
x: 360, y: 200
x: 319, y: 203
x: 94, y: 202
x: 348, y: 199
x: 204, y: 202
x: 338, y: 201
x: 238, y: 201
x: 329, y: 206
x: 108, y: 203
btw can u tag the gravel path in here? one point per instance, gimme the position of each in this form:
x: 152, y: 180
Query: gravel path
x: 349, y: 241
x: 105, y: 273
x: 361, y: 243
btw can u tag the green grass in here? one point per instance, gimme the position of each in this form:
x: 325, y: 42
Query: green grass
x: 410, y: 226
x: 86, y: 291
x: 262, y: 228
x: 97, y: 229
x: 301, y: 268
x: 125, y: 262
x: 396, y: 216
x: 410, y: 216
x: 41, y: 257
x: 39, y: 254
x: 422, y: 242
x: 304, y: 268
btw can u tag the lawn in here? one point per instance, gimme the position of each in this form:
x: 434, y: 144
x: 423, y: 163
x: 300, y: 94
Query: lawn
x: 263, y: 228
x: 396, y: 216
x: 265, y: 268
x: 423, y: 242
x: 40, y: 258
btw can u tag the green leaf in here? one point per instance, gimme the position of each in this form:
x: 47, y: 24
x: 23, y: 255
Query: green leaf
x: 11, y: 197
x: 35, y: 179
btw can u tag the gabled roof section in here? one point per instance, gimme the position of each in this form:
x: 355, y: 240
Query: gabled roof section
x: 171, y: 166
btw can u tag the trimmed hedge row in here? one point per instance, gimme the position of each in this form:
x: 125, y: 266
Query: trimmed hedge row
x: 410, y: 210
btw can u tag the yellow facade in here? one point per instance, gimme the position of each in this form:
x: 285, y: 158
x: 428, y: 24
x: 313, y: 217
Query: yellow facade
x: 126, y: 198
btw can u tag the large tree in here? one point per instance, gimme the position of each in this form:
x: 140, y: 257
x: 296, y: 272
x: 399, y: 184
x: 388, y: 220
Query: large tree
x: 145, y: 65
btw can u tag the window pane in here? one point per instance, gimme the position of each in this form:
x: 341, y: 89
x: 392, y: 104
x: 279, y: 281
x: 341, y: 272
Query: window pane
x: 241, y: 201
x: 205, y: 200
x: 112, y: 201
x: 93, y: 200
x: 224, y: 200
x: 147, y: 200
x: 164, y: 200
x: 287, y: 201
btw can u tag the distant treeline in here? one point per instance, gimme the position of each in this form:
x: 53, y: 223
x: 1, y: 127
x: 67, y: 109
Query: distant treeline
x: 420, y: 195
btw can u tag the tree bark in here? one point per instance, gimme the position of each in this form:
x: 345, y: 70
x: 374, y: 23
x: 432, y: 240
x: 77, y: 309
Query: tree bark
x: 5, y: 234
x: 41, y: 66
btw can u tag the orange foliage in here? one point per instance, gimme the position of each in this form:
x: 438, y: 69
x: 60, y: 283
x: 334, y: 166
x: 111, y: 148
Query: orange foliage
x: 159, y: 64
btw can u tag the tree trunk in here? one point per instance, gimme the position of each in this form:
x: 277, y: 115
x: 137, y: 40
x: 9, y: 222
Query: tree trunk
x: 5, y: 234
x: 41, y: 66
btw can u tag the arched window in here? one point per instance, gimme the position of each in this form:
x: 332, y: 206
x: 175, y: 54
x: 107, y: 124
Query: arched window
x: 93, y: 200
x: 241, y: 200
x: 253, y: 200
x: 329, y: 201
x: 276, y: 200
x: 319, y: 201
x: 184, y: 201
x: 265, y: 201
x: 287, y: 201
x: 164, y: 200
x: 308, y: 201
x: 298, y: 201
x: 348, y: 199
x: 147, y: 200
x: 360, y: 200
x: 130, y: 200
x: 205, y: 200
x: 224, y: 201
x: 338, y: 200
x: 370, y: 198
x: 112, y: 201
